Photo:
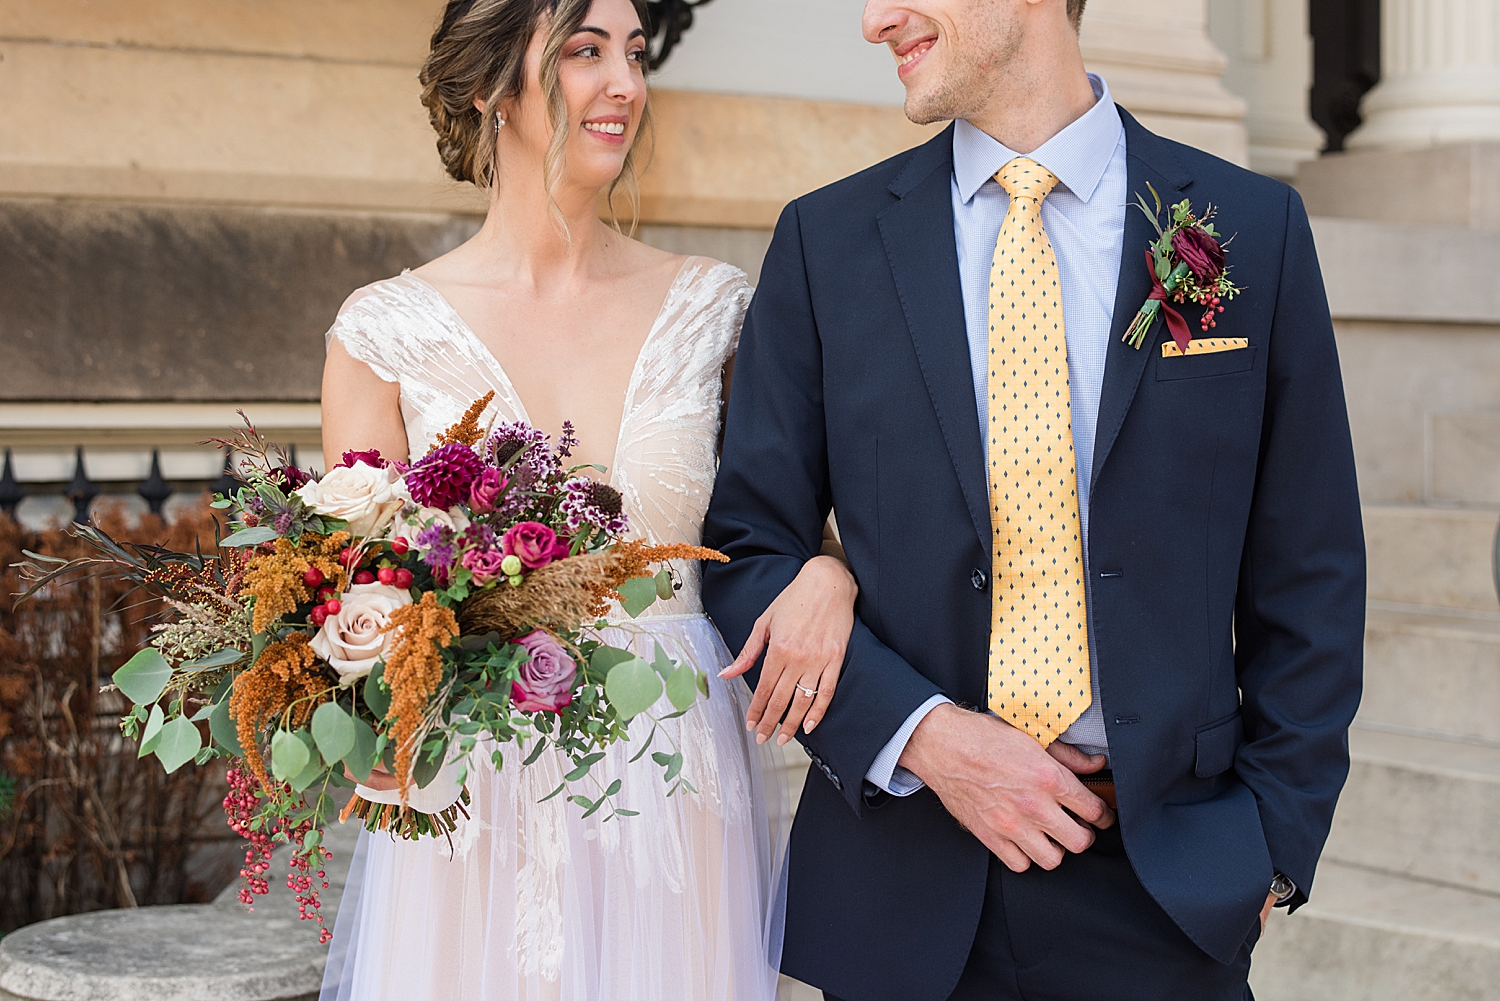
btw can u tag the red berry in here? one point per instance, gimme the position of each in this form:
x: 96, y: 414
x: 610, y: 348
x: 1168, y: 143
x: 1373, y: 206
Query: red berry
x: 319, y: 616
x: 312, y: 577
x: 364, y: 577
x: 387, y: 576
x: 403, y: 579
x: 1221, y: 309
x: 324, y: 593
x: 345, y: 555
x: 333, y: 606
x: 399, y: 546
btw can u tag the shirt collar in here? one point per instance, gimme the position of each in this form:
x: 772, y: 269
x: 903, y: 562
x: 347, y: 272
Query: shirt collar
x: 1078, y: 155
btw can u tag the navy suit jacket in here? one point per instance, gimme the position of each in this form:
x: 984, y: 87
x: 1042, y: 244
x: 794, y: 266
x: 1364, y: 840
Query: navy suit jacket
x: 1225, y: 543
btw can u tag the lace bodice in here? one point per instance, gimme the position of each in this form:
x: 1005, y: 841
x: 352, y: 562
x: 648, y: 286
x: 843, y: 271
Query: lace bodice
x: 665, y: 456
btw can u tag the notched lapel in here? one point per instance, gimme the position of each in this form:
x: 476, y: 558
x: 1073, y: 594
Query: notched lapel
x: 1148, y: 158
x: 918, y: 236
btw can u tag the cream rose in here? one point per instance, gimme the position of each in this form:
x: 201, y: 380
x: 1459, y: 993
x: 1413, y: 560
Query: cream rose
x: 412, y: 519
x: 365, y: 496
x: 354, y: 639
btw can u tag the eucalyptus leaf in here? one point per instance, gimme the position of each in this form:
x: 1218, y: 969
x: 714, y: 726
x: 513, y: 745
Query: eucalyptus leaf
x: 204, y: 756
x: 223, y: 730
x: 637, y: 595
x: 154, y: 723
x: 703, y: 683
x: 203, y: 713
x: 362, y: 759
x: 632, y: 687
x: 377, y: 699
x: 250, y: 537
x: 682, y: 687
x: 308, y: 775
x: 178, y: 743
x: 664, y: 589
x: 289, y: 756
x: 144, y: 677
x: 225, y: 657
x: 334, y: 732
x: 429, y: 762
x: 604, y: 658
x: 662, y: 664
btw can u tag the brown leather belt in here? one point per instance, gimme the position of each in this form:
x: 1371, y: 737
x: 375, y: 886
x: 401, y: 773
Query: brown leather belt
x: 1103, y: 786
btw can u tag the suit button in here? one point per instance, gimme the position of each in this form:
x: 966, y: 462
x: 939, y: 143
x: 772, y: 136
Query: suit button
x: 979, y: 579
x: 836, y: 783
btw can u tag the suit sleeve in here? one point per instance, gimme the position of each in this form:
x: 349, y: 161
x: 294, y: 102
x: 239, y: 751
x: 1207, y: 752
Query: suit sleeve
x: 770, y: 502
x: 1299, y: 619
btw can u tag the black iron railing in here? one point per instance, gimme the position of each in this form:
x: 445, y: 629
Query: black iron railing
x: 81, y: 491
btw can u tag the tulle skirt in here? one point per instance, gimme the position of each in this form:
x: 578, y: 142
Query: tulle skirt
x: 534, y: 902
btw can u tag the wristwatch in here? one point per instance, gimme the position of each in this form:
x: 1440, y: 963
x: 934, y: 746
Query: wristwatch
x: 1283, y: 888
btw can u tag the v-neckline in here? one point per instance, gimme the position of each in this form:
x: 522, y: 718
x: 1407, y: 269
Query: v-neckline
x: 494, y: 360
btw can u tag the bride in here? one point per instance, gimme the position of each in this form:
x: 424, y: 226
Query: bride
x: 542, y: 103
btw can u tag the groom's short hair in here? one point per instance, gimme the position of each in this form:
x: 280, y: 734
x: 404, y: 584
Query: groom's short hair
x: 1075, y: 11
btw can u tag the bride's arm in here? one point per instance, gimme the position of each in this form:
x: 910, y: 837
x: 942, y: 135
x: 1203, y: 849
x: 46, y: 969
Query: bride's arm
x: 804, y: 634
x: 360, y: 409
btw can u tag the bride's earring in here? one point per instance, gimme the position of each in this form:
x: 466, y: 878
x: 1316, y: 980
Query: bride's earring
x: 499, y: 124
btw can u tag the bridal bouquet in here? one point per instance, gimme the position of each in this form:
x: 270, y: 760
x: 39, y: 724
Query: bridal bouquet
x: 394, y: 615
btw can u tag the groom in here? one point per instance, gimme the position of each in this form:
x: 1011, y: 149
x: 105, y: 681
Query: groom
x: 1092, y: 722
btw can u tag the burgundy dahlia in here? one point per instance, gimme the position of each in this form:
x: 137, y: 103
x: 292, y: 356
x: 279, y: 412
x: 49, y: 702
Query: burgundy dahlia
x: 588, y: 503
x: 1201, y: 252
x: 443, y: 477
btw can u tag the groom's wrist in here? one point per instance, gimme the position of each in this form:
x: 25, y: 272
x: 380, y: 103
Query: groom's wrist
x: 926, y: 741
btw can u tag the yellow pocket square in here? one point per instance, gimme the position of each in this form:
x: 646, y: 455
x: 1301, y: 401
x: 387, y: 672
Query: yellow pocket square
x: 1205, y: 346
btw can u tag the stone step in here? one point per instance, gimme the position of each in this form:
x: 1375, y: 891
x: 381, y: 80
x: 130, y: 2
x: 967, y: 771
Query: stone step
x: 1420, y: 807
x: 1372, y: 936
x: 1433, y: 672
x: 1433, y: 556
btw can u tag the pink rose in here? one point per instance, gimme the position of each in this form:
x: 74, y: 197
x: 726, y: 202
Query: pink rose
x: 486, y: 490
x: 485, y: 564
x: 354, y: 639
x: 546, y: 683
x: 534, y: 544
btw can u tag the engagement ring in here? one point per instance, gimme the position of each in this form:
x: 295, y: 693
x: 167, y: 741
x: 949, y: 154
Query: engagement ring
x: 809, y: 692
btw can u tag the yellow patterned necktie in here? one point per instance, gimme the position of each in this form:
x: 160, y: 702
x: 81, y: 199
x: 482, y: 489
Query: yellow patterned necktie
x: 1039, y: 647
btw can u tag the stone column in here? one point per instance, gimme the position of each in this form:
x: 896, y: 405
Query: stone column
x: 1162, y: 66
x: 1270, y: 66
x: 1440, y: 76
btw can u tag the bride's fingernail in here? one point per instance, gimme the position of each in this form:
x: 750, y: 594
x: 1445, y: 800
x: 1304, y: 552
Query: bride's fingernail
x: 760, y: 738
x: 808, y: 726
x: 749, y: 724
x: 781, y: 739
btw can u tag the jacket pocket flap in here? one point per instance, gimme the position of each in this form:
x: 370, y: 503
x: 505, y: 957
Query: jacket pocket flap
x: 1216, y: 745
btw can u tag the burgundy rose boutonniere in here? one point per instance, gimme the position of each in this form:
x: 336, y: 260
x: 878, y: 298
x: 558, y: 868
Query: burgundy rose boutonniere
x: 1186, y: 261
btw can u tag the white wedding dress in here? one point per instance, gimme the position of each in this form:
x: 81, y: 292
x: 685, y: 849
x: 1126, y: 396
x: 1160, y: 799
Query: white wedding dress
x: 533, y: 902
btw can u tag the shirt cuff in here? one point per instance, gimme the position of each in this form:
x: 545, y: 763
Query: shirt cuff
x: 884, y: 773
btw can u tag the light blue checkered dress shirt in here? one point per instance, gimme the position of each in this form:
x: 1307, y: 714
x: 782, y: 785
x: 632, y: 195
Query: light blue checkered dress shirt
x: 1085, y: 220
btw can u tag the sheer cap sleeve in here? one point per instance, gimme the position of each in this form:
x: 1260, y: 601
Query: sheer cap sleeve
x: 357, y: 328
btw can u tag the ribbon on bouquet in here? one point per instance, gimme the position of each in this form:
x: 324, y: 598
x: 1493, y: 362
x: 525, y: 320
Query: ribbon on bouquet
x: 1175, y: 322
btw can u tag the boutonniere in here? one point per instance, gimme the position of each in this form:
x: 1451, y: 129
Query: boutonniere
x: 1186, y: 261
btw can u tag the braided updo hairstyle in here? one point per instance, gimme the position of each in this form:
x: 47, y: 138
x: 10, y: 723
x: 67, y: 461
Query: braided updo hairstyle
x: 479, y: 50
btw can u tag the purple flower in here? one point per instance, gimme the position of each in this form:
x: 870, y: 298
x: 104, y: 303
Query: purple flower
x: 437, y: 549
x: 511, y: 440
x: 479, y: 537
x: 534, y: 544
x: 443, y: 477
x: 546, y: 683
x: 485, y: 564
x: 485, y: 491
x: 288, y: 478
x: 1200, y: 251
x: 590, y: 504
x: 369, y: 456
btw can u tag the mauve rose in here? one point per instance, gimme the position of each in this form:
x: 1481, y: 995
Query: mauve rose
x: 485, y: 564
x: 1201, y: 252
x: 486, y: 490
x: 546, y: 683
x: 354, y: 639
x: 534, y: 544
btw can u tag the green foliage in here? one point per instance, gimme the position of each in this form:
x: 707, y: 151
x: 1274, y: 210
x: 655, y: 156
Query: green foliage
x: 632, y: 687
x: 334, y: 732
x: 144, y: 677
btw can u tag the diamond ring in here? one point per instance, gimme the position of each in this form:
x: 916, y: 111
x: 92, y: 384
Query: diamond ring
x: 809, y: 692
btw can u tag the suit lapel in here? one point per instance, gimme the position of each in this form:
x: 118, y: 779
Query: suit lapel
x: 918, y: 235
x: 1149, y: 159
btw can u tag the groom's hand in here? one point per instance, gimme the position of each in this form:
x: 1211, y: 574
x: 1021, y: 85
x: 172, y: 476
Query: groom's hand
x: 1004, y: 788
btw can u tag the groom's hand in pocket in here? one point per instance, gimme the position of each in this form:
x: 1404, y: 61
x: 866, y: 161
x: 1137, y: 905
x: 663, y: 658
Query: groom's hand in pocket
x: 1022, y: 802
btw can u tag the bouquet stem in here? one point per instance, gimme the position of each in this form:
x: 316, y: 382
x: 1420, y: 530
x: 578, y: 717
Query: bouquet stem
x: 403, y: 820
x: 1135, y: 334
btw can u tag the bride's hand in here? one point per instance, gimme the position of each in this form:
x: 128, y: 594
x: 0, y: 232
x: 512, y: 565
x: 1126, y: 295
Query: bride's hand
x: 379, y: 779
x: 807, y: 630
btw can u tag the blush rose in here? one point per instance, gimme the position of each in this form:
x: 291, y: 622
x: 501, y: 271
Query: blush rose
x: 534, y: 544
x: 355, y: 638
x: 365, y: 496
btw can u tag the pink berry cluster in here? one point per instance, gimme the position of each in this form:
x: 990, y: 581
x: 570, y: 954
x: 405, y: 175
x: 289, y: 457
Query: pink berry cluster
x: 240, y: 807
